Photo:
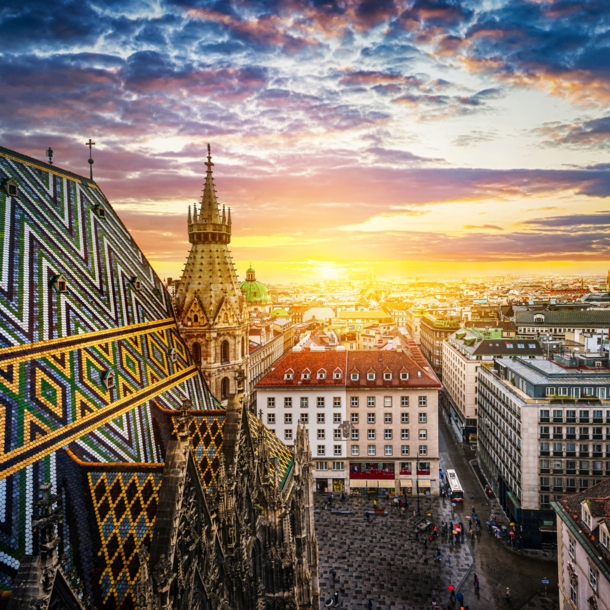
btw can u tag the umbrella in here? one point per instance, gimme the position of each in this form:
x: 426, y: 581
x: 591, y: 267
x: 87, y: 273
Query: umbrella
x: 429, y: 515
x: 451, y: 588
x: 493, y: 527
x: 488, y: 522
x: 459, y: 597
x: 512, y: 524
x: 453, y: 504
x: 468, y: 517
x: 454, y: 531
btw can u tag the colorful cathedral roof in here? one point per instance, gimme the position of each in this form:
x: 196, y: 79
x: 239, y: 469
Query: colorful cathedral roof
x: 256, y: 292
x: 87, y: 341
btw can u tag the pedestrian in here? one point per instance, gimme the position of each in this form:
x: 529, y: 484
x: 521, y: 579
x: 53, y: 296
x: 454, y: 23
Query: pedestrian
x: 336, y: 598
x: 452, y: 592
x: 507, y: 595
x: 448, y: 559
x: 370, y: 604
x: 474, y: 512
x: 426, y: 542
x: 374, y: 503
x: 333, y: 574
x: 470, y: 524
x: 472, y: 535
x: 476, y: 582
x: 460, y: 598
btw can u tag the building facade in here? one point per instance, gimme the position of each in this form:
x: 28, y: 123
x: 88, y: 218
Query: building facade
x: 434, y: 330
x: 583, y: 549
x: 544, y: 431
x: 372, y: 417
x: 210, y: 307
x: 557, y: 322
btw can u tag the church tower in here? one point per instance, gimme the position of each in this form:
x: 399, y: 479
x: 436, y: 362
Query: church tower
x: 210, y: 307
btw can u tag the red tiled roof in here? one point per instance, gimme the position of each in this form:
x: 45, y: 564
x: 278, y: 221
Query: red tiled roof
x: 420, y: 373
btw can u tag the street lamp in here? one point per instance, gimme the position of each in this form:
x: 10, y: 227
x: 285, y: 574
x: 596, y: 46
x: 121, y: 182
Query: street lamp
x: 417, y: 483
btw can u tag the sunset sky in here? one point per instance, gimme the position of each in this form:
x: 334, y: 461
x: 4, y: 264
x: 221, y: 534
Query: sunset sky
x: 405, y: 137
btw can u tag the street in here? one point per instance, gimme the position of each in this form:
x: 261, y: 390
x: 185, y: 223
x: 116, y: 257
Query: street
x: 386, y: 563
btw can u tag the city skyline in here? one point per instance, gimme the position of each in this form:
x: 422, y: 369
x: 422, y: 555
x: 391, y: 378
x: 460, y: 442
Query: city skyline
x: 403, y: 138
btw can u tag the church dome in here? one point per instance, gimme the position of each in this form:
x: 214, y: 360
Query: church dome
x: 255, y: 292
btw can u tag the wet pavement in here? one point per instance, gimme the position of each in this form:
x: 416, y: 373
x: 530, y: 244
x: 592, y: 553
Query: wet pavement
x: 384, y: 562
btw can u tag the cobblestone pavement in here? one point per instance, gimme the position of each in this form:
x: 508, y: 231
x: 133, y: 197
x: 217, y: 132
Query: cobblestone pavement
x: 383, y: 561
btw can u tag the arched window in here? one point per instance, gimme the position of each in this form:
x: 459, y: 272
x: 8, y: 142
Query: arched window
x: 224, y: 351
x: 196, y: 351
x: 224, y: 388
x: 243, y: 348
x: 196, y: 319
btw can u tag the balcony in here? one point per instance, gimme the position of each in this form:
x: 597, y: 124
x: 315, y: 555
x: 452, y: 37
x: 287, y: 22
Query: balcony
x: 598, y: 473
x: 557, y: 470
x: 545, y: 488
x: 545, y: 420
x: 571, y: 437
x: 598, y: 437
x: 545, y: 471
x: 545, y: 435
x: 570, y: 453
x: 557, y: 420
x: 570, y: 470
x: 584, y: 473
x: 557, y: 453
x: 584, y: 420
x: 545, y: 453
x: 570, y: 420
x: 598, y: 420
x: 570, y: 490
x: 557, y: 437
x: 598, y: 454
x: 558, y: 489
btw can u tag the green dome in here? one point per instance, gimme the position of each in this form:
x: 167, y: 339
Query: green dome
x: 255, y: 292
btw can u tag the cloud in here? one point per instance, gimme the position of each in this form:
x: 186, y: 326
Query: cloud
x: 591, y: 134
x: 573, y: 221
x: 492, y: 227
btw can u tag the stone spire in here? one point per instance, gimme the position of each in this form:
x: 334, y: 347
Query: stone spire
x: 209, y: 203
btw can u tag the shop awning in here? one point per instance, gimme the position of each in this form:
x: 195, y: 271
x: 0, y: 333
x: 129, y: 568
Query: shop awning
x: 386, y: 483
x: 424, y: 483
x: 357, y: 483
x: 406, y: 483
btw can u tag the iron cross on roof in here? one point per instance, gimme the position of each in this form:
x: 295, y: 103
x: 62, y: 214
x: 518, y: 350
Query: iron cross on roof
x: 90, y: 144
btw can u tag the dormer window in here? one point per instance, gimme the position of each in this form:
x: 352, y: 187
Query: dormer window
x: 306, y: 374
x: 419, y: 373
x: 136, y: 282
x: 289, y: 374
x: 586, y: 516
x: 404, y: 376
x: 387, y: 376
x: 107, y: 378
x: 173, y: 355
x: 539, y: 317
x: 99, y: 211
x: 321, y: 374
x: 11, y: 187
x: 604, y: 538
x: 370, y: 376
x: 59, y: 284
x: 337, y: 374
x: 354, y: 376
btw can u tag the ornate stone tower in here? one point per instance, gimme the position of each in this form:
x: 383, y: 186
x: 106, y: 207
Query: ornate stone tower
x: 210, y: 307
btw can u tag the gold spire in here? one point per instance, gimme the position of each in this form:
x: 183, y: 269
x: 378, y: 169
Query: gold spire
x: 209, y: 205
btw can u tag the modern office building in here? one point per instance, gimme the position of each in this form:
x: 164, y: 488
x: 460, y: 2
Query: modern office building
x: 544, y: 431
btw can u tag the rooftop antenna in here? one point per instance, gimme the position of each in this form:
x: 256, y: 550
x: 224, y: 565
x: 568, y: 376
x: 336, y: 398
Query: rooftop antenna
x: 90, y: 144
x: 50, y: 155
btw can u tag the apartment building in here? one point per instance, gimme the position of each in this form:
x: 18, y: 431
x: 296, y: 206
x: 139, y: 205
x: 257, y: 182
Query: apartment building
x: 544, y: 431
x: 434, y: 330
x: 559, y: 322
x: 583, y: 548
x: 463, y: 354
x: 372, y: 417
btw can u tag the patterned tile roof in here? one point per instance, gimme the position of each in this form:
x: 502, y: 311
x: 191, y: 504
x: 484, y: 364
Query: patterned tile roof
x: 87, y: 339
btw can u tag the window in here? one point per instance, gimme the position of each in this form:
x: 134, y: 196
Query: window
x: 304, y: 418
x: 370, y: 434
x: 423, y: 418
x: 387, y: 401
x: 287, y: 418
x: 370, y: 401
x: 423, y: 450
x: 338, y: 466
x: 355, y: 434
x: 387, y: 376
x: 387, y: 418
x: 423, y: 435
x: 404, y: 401
x: 270, y: 418
x: 574, y: 592
x: 586, y: 517
x: 354, y: 401
x: 604, y: 538
x: 563, y: 391
x: 337, y: 374
x: 544, y: 414
x: 387, y: 450
x: 305, y: 374
x: 271, y: 402
x: 370, y: 376
x: 354, y: 418
x: 337, y: 402
x: 404, y: 450
x: 404, y: 434
x: 288, y: 374
x: 336, y: 418
x: 423, y: 401
x: 550, y: 391
x: 321, y: 374
x: 387, y: 434
x: 404, y: 418
x: 337, y: 449
x: 304, y: 402
x: 321, y: 465
x: 321, y: 449
x: 593, y: 578
x: 288, y: 402
x: 320, y: 418
x: 355, y: 450
x: 288, y: 434
x: 321, y: 434
x: 320, y: 402
x: 355, y: 376
x: 404, y: 376
x: 370, y: 418
x: 337, y: 435
x: 370, y: 449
